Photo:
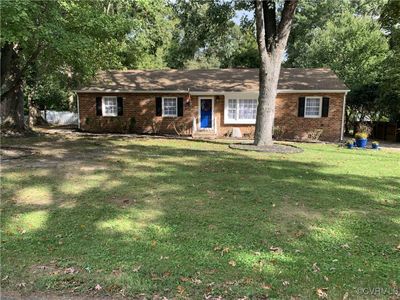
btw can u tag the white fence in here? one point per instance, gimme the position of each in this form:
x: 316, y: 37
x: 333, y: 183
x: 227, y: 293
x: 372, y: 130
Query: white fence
x: 60, y: 117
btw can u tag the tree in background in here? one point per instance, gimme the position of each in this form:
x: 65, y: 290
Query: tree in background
x: 357, y: 40
x: 52, y: 37
x: 272, y: 38
x: 203, y: 33
x: 390, y: 77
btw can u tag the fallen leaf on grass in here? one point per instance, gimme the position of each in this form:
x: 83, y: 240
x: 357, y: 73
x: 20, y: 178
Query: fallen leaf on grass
x: 166, y: 274
x: 276, y: 249
x: 136, y: 269
x: 180, y: 289
x: 225, y: 250
x: 232, y: 263
x: 326, y: 278
x: 70, y: 270
x: 21, y: 285
x: 196, y: 281
x: 322, y: 293
x: 345, y: 246
x: 266, y: 286
x: 315, y: 267
x: 98, y: 287
x: 184, y: 279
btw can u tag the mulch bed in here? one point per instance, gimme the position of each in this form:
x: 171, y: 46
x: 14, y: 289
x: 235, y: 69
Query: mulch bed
x: 275, y: 148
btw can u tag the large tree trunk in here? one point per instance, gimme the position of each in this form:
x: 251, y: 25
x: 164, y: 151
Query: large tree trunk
x: 12, y: 100
x: 271, y: 39
x: 12, y: 110
x: 266, y: 102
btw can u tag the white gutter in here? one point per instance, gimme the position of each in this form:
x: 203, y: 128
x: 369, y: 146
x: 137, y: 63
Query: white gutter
x: 343, y: 115
x: 206, y: 92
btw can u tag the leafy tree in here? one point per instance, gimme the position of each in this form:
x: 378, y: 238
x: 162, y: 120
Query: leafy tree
x: 390, y: 77
x: 353, y: 47
x: 272, y: 37
x: 203, y: 30
x: 40, y: 37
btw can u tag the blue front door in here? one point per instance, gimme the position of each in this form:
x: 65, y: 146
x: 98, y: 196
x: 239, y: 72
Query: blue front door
x: 205, y: 113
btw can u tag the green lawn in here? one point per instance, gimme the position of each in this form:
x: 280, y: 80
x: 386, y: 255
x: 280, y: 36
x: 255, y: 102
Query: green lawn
x: 189, y: 219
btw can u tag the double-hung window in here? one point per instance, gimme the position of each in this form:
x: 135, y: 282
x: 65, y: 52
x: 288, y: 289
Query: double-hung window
x: 169, y: 106
x: 110, y: 106
x: 313, y: 107
x: 240, y: 110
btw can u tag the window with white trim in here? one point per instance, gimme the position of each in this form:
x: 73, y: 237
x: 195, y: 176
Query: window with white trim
x: 313, y: 107
x: 110, y: 106
x: 169, y: 106
x: 241, y: 111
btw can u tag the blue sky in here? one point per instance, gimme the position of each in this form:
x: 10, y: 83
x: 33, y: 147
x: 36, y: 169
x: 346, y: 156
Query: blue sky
x: 240, y: 13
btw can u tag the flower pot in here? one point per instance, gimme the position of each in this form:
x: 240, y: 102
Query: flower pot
x: 375, y: 146
x: 362, y: 143
x: 350, y: 146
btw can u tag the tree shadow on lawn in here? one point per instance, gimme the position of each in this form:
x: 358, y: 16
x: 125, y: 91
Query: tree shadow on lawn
x: 177, y: 221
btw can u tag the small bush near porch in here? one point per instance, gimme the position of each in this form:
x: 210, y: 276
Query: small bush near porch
x: 121, y: 216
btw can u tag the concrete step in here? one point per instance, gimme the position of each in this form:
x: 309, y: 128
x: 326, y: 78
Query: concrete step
x: 204, y: 134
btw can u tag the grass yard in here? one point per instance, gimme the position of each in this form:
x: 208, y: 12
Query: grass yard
x: 175, y: 218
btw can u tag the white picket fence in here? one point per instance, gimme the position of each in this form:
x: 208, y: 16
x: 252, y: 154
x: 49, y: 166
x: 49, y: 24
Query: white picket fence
x: 60, y: 117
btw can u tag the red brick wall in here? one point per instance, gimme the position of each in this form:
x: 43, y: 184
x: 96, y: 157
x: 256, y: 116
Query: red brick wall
x: 140, y: 106
x: 297, y: 127
x: 143, y: 106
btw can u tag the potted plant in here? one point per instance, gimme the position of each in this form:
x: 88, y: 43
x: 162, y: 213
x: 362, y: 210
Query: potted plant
x: 362, y: 133
x: 350, y: 143
x: 375, y: 145
x: 361, y: 139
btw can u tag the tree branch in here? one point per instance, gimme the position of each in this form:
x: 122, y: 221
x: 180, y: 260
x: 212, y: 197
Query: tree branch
x: 269, y: 10
x: 260, y: 26
x: 285, y: 23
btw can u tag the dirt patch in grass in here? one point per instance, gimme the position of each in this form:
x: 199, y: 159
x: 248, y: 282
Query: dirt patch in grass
x: 8, y: 153
x: 52, y: 269
x: 295, y: 216
x: 123, y: 202
x: 275, y: 148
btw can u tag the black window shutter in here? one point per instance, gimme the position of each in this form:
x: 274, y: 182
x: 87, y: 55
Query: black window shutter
x: 120, y: 106
x: 180, y: 107
x: 325, y: 107
x: 99, y: 110
x: 302, y: 103
x: 158, y: 106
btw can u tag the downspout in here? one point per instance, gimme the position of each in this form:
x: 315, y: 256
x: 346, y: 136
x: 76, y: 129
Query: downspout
x: 79, y: 116
x: 343, y: 115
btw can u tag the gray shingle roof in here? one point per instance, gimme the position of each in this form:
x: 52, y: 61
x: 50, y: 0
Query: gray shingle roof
x: 211, y: 80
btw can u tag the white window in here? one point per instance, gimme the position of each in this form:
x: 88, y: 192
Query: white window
x: 313, y: 107
x: 242, y: 110
x: 110, y: 106
x: 232, y: 109
x: 169, y: 106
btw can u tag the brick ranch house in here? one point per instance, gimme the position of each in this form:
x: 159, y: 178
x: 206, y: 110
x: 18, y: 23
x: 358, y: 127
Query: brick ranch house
x: 211, y: 102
